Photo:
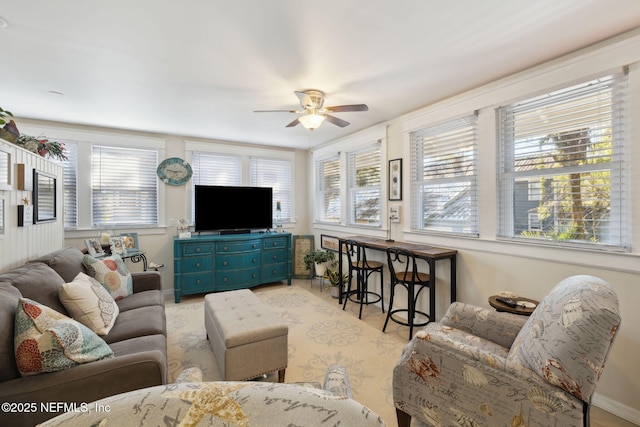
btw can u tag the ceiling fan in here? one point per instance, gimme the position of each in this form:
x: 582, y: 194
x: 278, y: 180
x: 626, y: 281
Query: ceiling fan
x: 314, y: 113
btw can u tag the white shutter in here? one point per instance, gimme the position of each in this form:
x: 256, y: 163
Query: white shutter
x: 572, y: 144
x: 124, y: 187
x: 364, y: 186
x: 328, y: 204
x: 444, y: 177
x: 70, y: 176
x: 274, y: 173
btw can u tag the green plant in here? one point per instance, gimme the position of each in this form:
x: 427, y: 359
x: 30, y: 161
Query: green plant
x: 334, y: 277
x: 318, y: 256
x: 3, y: 116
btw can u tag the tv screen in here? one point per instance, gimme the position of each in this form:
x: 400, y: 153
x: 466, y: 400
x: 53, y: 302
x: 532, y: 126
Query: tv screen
x: 223, y: 208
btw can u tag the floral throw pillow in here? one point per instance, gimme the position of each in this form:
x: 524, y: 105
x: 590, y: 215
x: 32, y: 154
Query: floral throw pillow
x: 112, y: 273
x: 48, y: 341
x: 88, y: 302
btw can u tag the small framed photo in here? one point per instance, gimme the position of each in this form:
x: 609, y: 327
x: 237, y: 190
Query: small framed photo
x: 130, y: 241
x: 329, y: 242
x: 395, y: 179
x: 117, y: 245
x: 94, y: 248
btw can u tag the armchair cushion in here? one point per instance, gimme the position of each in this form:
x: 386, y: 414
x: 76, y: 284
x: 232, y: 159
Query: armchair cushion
x: 580, y: 309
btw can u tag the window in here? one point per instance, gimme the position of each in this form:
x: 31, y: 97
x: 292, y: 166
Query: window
x: 70, y: 178
x: 216, y: 169
x: 444, y: 177
x: 124, y: 187
x: 570, y: 145
x: 328, y: 204
x: 364, y: 186
x: 274, y: 173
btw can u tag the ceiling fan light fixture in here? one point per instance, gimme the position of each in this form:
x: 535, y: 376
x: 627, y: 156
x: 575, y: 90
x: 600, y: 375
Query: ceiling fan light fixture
x: 311, y: 121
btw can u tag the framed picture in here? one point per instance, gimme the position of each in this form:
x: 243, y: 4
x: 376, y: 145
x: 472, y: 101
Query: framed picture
x: 94, y: 248
x: 117, y: 245
x: 44, y: 197
x: 395, y: 179
x: 329, y: 242
x: 130, y: 241
x: 5, y: 170
x: 302, y: 245
x: 25, y: 215
x: 24, y: 177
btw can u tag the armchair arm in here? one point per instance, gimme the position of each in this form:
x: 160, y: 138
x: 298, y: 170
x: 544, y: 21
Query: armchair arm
x: 496, y: 326
x: 445, y: 376
x: 146, y: 281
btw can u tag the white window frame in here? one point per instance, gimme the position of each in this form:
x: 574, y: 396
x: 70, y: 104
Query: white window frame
x: 355, y: 189
x: 323, y: 195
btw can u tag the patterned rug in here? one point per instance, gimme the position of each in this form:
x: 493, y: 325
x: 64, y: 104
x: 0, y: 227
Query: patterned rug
x: 320, y: 334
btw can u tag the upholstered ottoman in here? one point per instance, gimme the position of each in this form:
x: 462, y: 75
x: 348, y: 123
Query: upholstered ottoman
x: 247, y: 338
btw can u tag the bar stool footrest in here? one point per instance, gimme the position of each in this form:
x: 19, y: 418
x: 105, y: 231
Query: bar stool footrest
x: 355, y: 294
x: 391, y: 313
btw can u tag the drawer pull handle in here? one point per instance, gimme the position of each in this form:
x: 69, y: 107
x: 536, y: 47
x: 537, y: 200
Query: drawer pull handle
x: 274, y: 271
x: 197, y: 249
x: 198, y: 282
x: 255, y: 246
x: 225, y: 263
x: 275, y: 243
x: 197, y: 265
x: 253, y: 260
x: 225, y: 279
x: 275, y: 257
x: 253, y: 275
x: 225, y: 248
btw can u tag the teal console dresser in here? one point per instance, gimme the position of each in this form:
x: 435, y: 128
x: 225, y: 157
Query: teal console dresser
x: 213, y: 263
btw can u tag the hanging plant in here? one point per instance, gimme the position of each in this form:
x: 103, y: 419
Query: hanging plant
x: 42, y: 146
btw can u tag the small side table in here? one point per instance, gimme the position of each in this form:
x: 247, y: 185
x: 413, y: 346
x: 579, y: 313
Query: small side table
x: 524, y: 311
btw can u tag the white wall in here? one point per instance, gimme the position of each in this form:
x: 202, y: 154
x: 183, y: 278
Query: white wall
x: 486, y: 265
x: 19, y: 244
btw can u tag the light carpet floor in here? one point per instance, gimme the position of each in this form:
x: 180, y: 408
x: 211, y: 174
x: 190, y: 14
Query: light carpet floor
x: 320, y: 334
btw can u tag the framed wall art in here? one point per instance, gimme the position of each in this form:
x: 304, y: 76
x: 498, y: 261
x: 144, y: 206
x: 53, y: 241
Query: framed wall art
x: 302, y: 245
x: 44, y: 197
x: 5, y: 170
x: 330, y: 243
x: 395, y: 179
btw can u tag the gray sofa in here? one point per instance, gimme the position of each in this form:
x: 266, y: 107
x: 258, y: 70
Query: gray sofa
x: 138, y: 340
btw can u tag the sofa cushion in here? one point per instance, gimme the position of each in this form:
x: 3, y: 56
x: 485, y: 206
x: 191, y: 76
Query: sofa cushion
x: 38, y: 282
x: 9, y: 298
x: 47, y: 341
x: 89, y: 303
x: 138, y: 322
x: 66, y: 262
x: 112, y: 273
x: 580, y: 309
x: 141, y: 299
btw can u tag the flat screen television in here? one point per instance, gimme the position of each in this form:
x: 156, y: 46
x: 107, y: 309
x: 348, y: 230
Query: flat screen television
x: 233, y: 209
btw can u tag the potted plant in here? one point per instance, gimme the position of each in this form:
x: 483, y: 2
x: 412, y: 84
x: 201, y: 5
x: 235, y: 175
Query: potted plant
x: 320, y: 259
x: 9, y: 132
x: 334, y: 278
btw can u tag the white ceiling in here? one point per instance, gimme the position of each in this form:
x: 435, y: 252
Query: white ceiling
x: 198, y: 68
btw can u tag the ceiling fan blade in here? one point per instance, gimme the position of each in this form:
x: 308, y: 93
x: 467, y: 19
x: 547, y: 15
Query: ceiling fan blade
x: 343, y: 108
x: 296, y: 122
x: 336, y: 121
x: 275, y: 111
x: 304, y: 98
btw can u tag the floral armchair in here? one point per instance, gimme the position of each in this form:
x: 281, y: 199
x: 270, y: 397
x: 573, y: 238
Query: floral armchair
x: 479, y: 367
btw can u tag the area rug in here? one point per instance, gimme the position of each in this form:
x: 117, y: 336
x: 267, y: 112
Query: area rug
x: 320, y: 334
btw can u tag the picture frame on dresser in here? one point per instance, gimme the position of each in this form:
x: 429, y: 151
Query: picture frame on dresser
x: 45, y: 203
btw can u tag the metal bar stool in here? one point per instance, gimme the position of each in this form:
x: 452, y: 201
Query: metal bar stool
x: 403, y: 270
x: 358, y: 263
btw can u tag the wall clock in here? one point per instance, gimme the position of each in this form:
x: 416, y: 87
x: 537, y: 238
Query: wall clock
x: 174, y: 171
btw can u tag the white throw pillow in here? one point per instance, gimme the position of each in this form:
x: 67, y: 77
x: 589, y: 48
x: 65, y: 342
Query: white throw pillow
x: 88, y: 302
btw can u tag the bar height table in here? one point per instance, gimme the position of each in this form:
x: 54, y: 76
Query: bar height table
x: 431, y: 254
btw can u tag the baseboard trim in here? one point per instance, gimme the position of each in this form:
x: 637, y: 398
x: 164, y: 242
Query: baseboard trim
x: 616, y: 408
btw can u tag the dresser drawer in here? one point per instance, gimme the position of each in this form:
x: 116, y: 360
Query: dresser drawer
x: 196, y: 264
x: 275, y: 256
x: 202, y: 248
x: 240, y: 246
x: 238, y: 261
x: 275, y: 242
x: 237, y: 277
x: 274, y: 272
x: 197, y: 282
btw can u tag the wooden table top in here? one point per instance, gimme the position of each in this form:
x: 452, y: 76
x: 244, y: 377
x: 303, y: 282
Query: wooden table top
x: 418, y: 249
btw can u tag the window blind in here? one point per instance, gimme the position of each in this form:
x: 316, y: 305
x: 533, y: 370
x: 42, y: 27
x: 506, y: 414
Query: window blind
x: 274, y: 173
x: 444, y: 193
x: 214, y: 169
x: 328, y: 204
x: 70, y: 176
x: 364, y: 186
x: 124, y: 186
x: 570, y: 144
